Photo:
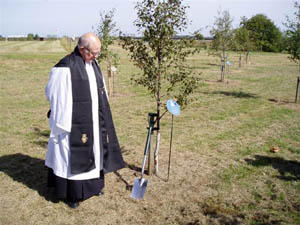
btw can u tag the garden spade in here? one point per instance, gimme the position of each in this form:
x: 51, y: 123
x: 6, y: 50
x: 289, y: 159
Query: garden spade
x: 140, y: 184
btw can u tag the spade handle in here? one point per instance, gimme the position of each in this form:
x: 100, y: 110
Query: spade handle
x: 151, y: 124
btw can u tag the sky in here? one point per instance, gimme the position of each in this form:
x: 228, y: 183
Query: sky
x: 75, y: 17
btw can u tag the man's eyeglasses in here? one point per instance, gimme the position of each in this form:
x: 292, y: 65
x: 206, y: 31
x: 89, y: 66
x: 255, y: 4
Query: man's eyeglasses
x: 95, y: 54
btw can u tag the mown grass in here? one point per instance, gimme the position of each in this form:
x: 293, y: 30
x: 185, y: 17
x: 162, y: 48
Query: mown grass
x: 222, y: 170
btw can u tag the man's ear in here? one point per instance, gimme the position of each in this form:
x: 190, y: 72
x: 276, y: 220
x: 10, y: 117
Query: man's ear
x: 81, y: 49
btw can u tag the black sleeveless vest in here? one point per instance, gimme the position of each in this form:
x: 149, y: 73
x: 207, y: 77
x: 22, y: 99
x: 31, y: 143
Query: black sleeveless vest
x: 81, y: 137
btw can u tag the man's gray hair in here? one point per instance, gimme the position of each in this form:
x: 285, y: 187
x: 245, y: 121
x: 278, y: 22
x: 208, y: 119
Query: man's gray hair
x: 83, y: 42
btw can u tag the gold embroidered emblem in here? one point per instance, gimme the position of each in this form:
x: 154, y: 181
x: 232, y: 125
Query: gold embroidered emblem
x: 84, y: 138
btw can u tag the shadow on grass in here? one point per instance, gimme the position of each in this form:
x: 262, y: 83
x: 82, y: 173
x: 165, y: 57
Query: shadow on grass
x: 236, y: 94
x: 137, y: 169
x: 33, y: 173
x: 28, y: 171
x: 44, y: 134
x: 128, y: 186
x: 134, y: 167
x: 289, y: 169
x: 201, y: 67
x: 212, y: 64
x: 281, y: 101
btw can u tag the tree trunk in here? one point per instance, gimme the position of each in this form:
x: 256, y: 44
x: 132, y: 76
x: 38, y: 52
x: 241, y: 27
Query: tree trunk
x: 158, y: 129
x: 113, y: 82
x: 156, y: 152
x: 222, y: 69
x: 109, y: 80
x: 248, y: 58
x: 158, y: 114
x: 298, y: 81
x: 240, y: 61
x: 297, y: 89
x: 223, y: 66
x: 109, y: 77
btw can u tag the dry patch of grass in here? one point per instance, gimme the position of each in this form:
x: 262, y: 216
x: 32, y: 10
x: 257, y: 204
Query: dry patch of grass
x: 222, y: 170
x: 31, y: 46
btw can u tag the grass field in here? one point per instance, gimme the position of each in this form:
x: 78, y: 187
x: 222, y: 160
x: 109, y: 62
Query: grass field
x: 222, y: 169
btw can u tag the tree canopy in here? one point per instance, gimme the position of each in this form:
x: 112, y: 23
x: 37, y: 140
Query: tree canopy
x: 293, y: 35
x: 222, y: 34
x: 160, y: 57
x: 263, y: 32
x: 105, y: 30
x: 242, y: 41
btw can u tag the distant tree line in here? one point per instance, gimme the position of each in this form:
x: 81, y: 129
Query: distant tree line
x: 258, y: 33
x: 29, y: 37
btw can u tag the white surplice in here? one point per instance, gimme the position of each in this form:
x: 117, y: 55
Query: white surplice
x: 59, y: 94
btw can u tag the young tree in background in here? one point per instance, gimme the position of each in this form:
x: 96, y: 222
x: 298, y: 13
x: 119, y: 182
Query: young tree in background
x: 161, y: 59
x: 198, y: 36
x: 105, y: 31
x: 222, y: 34
x: 242, y: 43
x: 36, y: 37
x: 30, y: 37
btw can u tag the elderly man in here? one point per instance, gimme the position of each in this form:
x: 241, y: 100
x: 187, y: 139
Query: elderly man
x: 83, y: 144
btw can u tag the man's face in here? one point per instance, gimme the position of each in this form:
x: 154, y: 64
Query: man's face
x: 91, y: 53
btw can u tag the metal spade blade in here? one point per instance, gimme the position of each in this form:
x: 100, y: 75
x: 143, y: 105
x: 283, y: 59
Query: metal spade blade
x: 139, y: 188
